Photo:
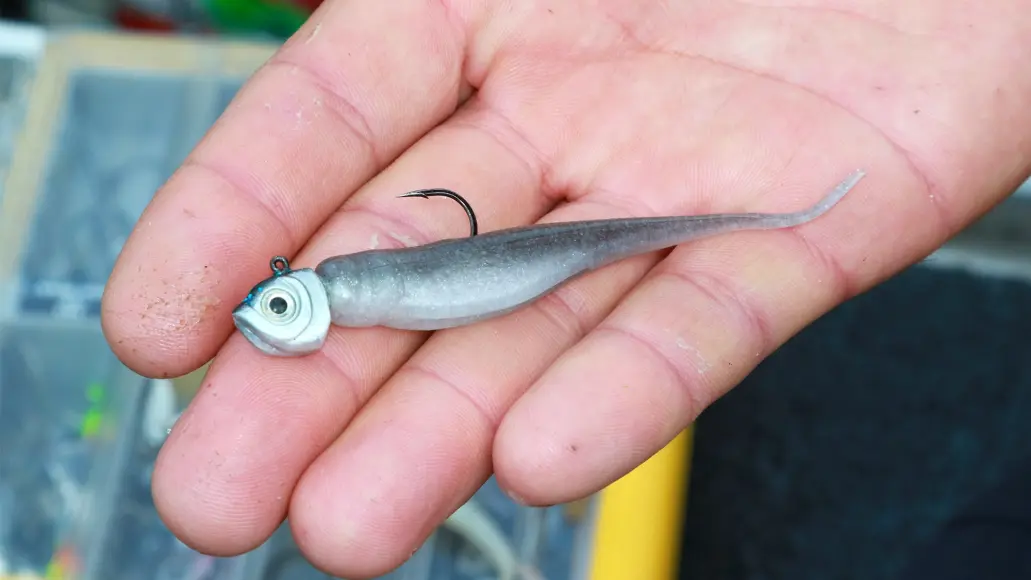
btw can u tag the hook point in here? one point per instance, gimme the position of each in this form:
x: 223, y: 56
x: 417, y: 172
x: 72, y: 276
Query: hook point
x: 426, y: 193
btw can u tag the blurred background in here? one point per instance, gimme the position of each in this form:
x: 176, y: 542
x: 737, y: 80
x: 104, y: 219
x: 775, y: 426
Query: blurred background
x: 842, y: 456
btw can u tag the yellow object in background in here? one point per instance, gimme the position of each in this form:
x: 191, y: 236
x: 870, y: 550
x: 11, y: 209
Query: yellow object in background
x: 640, y: 518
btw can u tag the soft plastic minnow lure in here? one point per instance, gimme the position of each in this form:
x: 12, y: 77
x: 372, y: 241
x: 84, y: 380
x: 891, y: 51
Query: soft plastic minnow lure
x: 460, y: 281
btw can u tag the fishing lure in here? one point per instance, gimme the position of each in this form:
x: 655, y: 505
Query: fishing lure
x: 455, y: 282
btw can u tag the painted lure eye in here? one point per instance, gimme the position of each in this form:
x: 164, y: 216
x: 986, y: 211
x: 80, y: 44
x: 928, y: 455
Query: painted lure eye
x: 278, y: 305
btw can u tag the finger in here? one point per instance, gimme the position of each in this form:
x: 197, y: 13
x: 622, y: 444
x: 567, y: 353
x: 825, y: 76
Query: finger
x: 223, y: 479
x: 699, y: 323
x: 326, y: 113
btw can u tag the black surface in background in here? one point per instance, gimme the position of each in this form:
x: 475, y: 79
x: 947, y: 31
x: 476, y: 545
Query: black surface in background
x: 989, y: 540
x: 848, y: 448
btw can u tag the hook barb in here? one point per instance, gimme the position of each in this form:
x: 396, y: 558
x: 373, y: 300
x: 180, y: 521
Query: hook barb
x: 437, y: 192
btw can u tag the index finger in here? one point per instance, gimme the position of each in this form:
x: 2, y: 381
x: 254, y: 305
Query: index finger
x: 358, y: 84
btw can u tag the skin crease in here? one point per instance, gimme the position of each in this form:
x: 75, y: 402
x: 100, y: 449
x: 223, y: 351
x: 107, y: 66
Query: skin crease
x: 538, y: 110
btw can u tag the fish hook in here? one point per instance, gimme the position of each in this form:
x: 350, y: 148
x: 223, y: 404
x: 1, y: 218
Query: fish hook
x: 427, y: 193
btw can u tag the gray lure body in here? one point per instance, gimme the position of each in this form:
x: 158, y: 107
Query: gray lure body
x: 459, y: 281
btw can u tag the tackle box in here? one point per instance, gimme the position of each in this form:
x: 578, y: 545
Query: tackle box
x: 91, y: 123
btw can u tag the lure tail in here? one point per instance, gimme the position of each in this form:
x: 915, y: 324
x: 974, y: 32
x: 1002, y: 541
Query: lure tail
x: 828, y: 201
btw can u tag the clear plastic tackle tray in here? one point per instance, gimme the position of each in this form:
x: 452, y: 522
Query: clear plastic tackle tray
x: 65, y: 402
x: 20, y: 48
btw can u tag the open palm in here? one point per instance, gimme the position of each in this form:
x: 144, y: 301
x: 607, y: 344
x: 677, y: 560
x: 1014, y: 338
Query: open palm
x: 542, y: 111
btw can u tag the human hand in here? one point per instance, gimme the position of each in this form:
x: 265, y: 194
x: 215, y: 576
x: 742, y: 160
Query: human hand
x: 555, y: 111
